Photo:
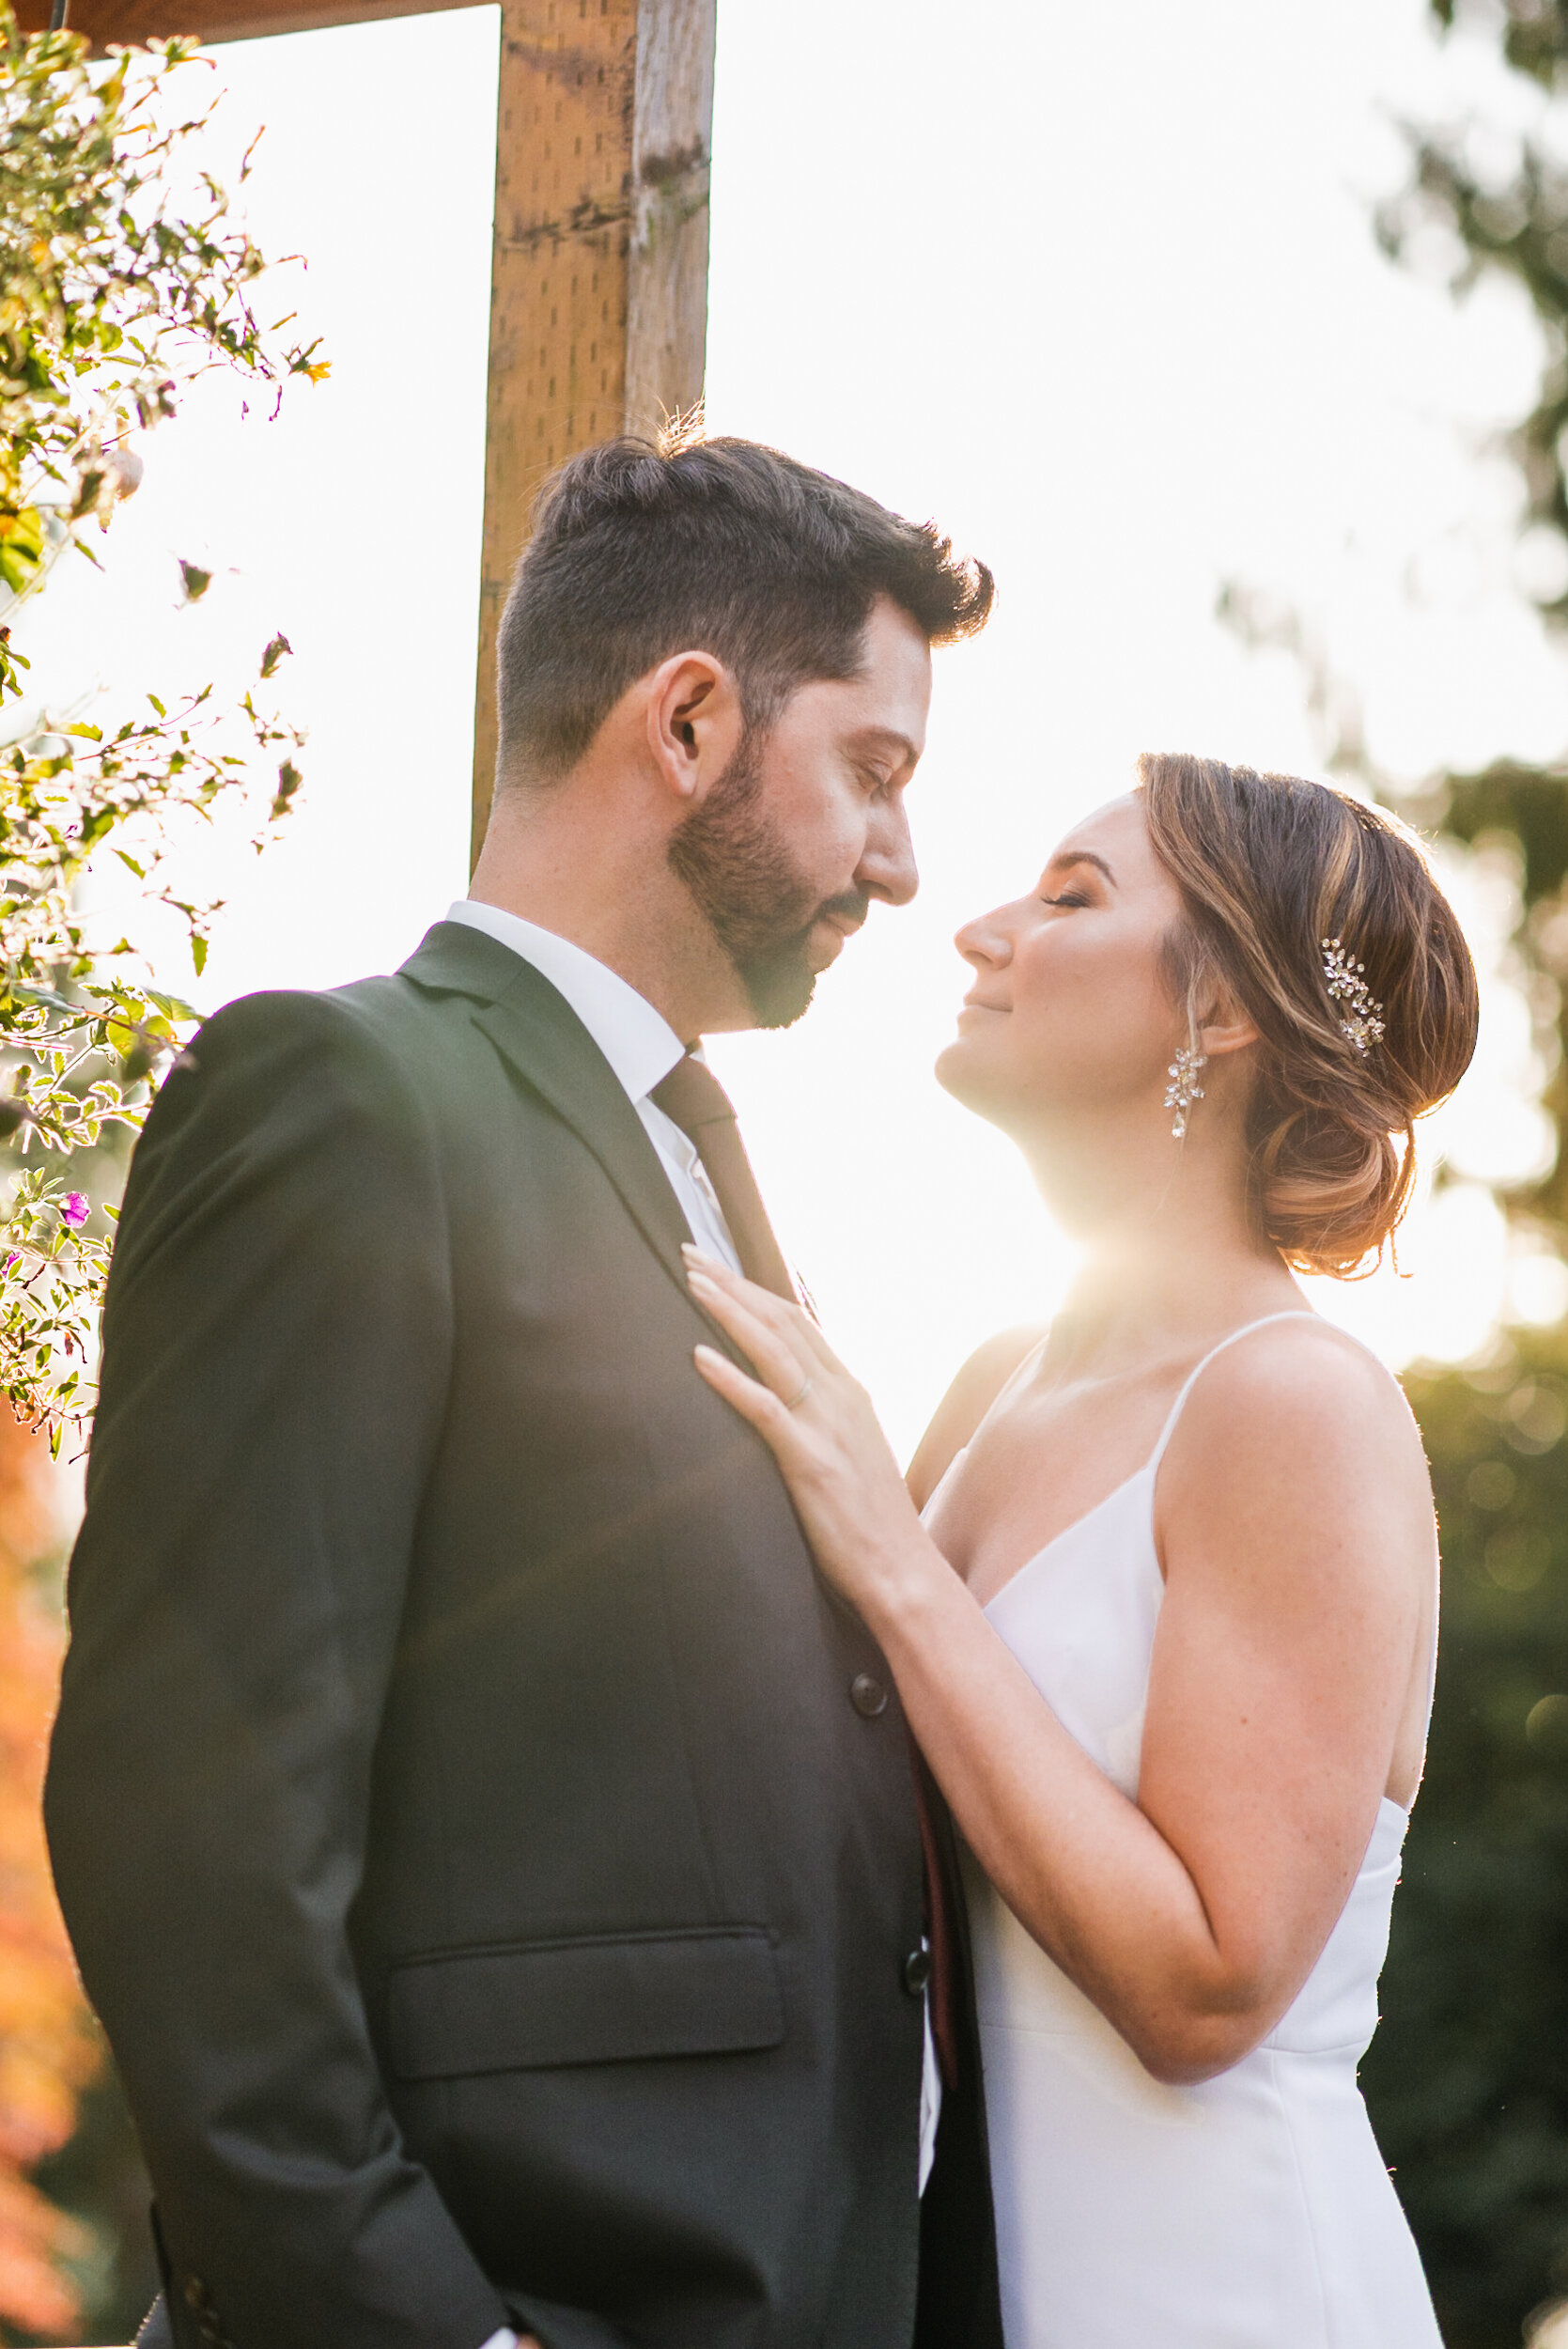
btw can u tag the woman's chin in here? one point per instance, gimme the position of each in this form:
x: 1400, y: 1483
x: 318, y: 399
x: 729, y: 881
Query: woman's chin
x: 961, y: 1070
x: 948, y: 1067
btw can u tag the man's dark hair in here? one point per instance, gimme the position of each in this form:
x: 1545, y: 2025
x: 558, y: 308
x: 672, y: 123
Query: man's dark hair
x: 724, y: 546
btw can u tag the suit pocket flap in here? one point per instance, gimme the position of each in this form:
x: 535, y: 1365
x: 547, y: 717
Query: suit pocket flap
x: 599, y: 2000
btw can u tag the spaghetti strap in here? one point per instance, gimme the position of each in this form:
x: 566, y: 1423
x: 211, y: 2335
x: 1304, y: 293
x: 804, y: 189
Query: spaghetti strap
x: 1300, y: 1312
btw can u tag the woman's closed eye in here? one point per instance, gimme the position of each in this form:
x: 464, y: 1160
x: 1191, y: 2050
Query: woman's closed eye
x: 1068, y: 898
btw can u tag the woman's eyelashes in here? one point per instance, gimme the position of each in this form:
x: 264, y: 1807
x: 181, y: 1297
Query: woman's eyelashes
x: 1068, y: 898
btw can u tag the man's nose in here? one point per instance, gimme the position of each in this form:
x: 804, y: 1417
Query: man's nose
x: 887, y: 868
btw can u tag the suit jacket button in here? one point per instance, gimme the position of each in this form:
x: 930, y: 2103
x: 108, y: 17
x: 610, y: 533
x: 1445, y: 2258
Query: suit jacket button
x: 869, y: 1696
x: 917, y: 1971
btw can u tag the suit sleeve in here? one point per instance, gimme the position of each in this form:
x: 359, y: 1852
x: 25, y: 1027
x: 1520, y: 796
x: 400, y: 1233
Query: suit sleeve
x: 277, y: 1339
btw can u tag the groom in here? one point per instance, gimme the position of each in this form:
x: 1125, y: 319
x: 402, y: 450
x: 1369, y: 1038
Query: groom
x: 493, y: 1855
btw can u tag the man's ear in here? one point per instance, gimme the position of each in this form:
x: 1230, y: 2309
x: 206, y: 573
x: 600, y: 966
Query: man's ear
x: 695, y: 722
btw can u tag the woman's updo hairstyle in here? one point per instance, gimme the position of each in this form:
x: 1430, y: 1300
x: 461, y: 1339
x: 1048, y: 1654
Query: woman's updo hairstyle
x: 1268, y: 866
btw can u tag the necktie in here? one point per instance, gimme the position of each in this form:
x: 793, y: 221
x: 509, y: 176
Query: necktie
x: 692, y: 1097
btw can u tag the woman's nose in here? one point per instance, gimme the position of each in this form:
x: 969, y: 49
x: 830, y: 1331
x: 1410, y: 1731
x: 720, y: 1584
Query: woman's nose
x: 985, y: 940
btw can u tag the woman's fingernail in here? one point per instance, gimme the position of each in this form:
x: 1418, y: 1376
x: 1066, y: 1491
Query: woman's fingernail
x: 694, y: 1254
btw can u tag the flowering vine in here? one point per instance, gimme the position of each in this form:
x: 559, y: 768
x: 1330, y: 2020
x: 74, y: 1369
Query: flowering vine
x: 114, y: 294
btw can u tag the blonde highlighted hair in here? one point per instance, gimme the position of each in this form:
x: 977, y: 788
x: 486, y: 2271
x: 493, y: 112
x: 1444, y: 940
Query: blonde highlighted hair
x: 1268, y: 866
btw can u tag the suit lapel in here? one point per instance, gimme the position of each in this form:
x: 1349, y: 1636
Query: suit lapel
x: 542, y: 1040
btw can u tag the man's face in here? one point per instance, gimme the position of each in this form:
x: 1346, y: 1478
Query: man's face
x: 806, y: 825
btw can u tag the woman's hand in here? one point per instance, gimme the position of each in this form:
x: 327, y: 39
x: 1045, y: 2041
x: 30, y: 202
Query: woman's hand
x: 819, y: 1425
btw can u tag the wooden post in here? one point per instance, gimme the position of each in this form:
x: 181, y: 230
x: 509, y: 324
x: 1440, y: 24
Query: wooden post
x: 666, y: 335
x: 599, y: 298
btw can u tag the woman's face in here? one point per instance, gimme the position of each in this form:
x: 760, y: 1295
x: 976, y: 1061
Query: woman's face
x: 1070, y: 1013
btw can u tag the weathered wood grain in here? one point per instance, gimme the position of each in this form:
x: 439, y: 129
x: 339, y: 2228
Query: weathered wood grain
x: 598, y: 316
x: 558, y: 292
x: 667, y: 271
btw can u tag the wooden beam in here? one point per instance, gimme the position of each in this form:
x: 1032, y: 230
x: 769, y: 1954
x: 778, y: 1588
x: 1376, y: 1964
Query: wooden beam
x: 125, y: 24
x: 599, y: 301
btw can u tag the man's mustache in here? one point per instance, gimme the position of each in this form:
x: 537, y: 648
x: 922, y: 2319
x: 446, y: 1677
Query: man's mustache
x: 852, y: 907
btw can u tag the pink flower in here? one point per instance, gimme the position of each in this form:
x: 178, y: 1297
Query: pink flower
x: 14, y: 1259
x: 75, y: 1210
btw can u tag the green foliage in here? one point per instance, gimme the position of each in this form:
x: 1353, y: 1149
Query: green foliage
x: 1515, y: 224
x: 1518, y: 227
x: 112, y: 293
x: 1467, y: 2077
x: 115, y: 292
x: 81, y: 1033
x: 1534, y: 34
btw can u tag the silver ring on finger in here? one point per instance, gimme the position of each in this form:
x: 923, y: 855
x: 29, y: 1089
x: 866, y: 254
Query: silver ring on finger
x: 796, y: 1400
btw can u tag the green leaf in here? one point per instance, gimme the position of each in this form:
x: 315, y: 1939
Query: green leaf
x: 173, y: 1006
x: 198, y: 951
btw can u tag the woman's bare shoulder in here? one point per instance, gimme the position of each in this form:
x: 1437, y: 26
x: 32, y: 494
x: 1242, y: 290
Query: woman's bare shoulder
x: 1303, y: 1414
x: 1302, y: 1374
x: 966, y: 1404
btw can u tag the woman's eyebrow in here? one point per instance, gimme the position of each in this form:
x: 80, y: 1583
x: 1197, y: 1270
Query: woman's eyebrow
x: 1081, y: 856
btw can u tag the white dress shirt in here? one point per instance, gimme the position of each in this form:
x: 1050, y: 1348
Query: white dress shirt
x: 642, y: 1046
x: 637, y: 1041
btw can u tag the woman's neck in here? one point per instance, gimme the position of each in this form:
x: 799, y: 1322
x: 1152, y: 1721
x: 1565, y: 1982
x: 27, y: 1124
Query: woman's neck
x: 1170, y: 1259
x: 1130, y: 1308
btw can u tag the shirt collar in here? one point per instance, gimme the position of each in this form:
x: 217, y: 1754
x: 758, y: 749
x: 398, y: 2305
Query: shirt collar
x: 637, y: 1041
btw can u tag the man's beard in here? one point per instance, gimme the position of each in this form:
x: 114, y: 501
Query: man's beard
x: 736, y: 864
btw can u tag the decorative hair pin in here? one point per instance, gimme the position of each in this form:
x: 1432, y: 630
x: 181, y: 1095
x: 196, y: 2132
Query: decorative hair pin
x: 1361, y: 1014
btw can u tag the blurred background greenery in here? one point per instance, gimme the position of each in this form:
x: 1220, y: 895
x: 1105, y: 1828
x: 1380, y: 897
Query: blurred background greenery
x: 1467, y: 2078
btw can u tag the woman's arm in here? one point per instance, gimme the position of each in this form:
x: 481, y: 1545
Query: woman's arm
x: 1297, y: 1533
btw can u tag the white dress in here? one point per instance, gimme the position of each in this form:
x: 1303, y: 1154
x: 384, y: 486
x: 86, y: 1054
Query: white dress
x: 1253, y: 2211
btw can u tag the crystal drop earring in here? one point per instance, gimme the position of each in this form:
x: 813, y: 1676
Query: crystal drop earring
x: 1184, y: 1088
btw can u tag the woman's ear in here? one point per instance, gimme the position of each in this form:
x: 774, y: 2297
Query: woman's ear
x: 694, y: 721
x: 1224, y: 1026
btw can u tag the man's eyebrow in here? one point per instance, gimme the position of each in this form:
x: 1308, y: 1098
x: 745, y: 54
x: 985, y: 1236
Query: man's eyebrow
x: 1083, y: 856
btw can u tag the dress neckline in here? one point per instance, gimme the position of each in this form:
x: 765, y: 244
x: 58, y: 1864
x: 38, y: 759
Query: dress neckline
x: 1150, y: 1467
x: 1146, y: 1472
x: 1076, y: 1526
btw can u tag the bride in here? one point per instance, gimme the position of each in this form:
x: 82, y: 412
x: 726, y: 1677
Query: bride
x: 1164, y: 1631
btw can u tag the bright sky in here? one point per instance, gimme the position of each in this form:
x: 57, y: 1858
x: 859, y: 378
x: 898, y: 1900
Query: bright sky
x: 1097, y: 289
